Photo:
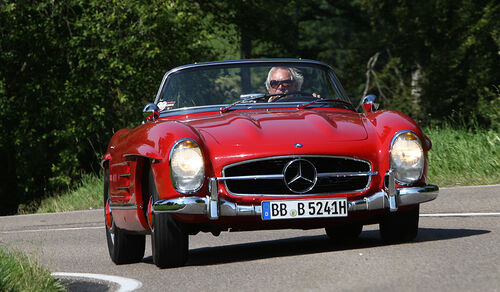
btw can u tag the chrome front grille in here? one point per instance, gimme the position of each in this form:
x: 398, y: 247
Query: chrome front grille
x: 297, y: 175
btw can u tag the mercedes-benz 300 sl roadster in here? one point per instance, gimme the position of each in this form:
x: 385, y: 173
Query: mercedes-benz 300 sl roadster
x: 258, y: 145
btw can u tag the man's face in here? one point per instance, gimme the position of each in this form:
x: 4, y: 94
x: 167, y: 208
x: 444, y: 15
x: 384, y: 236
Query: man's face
x: 281, y: 82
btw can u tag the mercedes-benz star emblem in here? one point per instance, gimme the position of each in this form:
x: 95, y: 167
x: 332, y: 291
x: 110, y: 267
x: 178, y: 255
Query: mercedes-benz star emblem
x: 300, y: 176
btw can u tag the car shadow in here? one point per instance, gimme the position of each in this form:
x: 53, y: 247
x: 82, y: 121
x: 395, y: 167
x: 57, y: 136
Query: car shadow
x: 435, y: 234
x: 304, y: 245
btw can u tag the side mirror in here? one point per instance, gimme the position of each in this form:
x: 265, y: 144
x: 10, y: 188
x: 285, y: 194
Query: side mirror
x: 152, y: 110
x: 369, y: 104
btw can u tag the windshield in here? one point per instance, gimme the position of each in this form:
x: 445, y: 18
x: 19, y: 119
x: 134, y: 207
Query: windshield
x: 225, y: 84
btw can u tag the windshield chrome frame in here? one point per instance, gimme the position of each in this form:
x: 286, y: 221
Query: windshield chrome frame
x: 277, y: 61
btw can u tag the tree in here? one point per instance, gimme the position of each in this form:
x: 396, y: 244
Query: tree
x: 263, y: 28
x: 74, y: 71
x: 448, y: 50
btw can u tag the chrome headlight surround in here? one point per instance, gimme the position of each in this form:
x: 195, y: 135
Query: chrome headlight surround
x: 407, y: 159
x: 187, y: 167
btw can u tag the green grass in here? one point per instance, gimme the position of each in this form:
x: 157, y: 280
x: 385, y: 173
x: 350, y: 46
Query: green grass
x: 463, y: 157
x: 19, y: 273
x: 88, y: 195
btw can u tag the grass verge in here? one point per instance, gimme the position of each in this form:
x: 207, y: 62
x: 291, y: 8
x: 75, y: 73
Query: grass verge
x: 19, y: 273
x: 463, y: 156
x: 88, y: 195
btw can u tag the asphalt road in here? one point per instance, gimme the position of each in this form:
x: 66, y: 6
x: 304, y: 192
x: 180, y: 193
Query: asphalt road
x: 457, y: 249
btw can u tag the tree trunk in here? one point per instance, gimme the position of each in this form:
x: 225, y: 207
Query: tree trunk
x: 416, y: 86
x: 245, y: 45
x: 245, y: 51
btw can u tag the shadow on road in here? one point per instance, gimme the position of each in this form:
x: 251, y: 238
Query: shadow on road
x: 307, y: 245
x: 75, y: 285
x: 433, y: 234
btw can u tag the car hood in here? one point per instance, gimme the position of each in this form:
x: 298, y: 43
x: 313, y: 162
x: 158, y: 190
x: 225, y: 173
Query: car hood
x: 279, y: 127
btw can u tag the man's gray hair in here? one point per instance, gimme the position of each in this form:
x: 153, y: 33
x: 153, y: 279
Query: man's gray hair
x: 294, y: 74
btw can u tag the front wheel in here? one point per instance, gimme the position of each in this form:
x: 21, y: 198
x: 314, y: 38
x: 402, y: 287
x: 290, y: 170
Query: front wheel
x: 401, y: 226
x: 124, y: 248
x: 169, y: 239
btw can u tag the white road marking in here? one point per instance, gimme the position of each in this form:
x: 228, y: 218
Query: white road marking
x: 470, y: 187
x: 126, y: 284
x: 98, y: 210
x: 460, y: 215
x: 54, y: 229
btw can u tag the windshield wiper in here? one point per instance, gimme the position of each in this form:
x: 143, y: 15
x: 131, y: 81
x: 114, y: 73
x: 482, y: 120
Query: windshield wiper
x: 254, y: 96
x: 326, y: 100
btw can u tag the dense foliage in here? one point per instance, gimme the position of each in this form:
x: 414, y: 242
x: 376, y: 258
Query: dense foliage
x: 73, y: 72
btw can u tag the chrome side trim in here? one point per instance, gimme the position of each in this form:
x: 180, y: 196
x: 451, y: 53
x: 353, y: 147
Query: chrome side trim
x: 377, y: 201
x: 119, y: 206
x: 121, y: 163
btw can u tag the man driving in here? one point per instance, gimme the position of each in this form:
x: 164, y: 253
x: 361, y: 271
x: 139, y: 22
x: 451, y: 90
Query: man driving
x: 283, y: 80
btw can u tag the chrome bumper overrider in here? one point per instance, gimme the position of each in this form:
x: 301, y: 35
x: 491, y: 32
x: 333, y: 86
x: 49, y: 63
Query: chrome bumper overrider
x: 212, y: 206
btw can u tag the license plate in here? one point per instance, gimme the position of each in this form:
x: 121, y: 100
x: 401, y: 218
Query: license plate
x: 304, y: 209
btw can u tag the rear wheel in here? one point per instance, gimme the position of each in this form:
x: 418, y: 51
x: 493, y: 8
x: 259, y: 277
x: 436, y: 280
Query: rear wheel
x: 344, y: 233
x: 401, y: 226
x: 124, y: 248
x: 169, y: 239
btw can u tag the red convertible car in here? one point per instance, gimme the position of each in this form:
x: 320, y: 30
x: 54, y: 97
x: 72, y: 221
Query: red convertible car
x: 260, y: 144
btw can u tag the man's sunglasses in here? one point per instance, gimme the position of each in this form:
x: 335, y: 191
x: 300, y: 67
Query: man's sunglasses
x: 285, y: 83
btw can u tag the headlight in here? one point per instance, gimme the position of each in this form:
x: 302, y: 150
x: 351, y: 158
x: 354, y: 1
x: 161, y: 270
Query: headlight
x: 187, y: 169
x: 407, y: 157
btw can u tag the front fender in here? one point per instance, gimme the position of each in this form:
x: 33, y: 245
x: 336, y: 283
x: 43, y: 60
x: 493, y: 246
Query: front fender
x: 384, y: 125
x: 154, y: 141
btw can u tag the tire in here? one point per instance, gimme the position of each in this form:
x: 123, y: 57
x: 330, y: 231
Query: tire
x: 344, y: 233
x: 400, y: 226
x: 124, y: 248
x: 169, y: 239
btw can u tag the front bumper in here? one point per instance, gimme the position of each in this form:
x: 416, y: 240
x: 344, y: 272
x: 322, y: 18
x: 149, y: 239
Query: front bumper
x: 213, y: 207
